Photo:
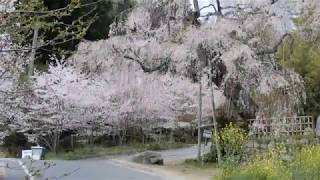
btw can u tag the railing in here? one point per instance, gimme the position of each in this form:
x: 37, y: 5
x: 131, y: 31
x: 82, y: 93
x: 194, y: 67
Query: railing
x: 299, y: 125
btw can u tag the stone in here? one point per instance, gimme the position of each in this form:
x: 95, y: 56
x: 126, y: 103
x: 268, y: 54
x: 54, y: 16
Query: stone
x: 148, y: 157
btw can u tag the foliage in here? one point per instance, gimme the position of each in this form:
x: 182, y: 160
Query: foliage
x: 262, y: 167
x: 210, y: 157
x: 35, y: 14
x: 117, y: 76
x: 15, y: 142
x: 274, y: 165
x: 307, y: 164
x: 89, y: 151
x: 301, y: 52
x: 183, y: 135
x: 108, y: 11
x: 194, y: 166
x: 233, y: 140
x: 62, y: 24
x: 304, y: 57
x: 195, y: 163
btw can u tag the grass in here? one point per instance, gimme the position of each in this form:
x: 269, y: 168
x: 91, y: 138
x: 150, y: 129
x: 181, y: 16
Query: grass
x: 274, y: 165
x: 87, y: 151
x: 195, y: 164
x: 194, y: 169
x: 4, y: 154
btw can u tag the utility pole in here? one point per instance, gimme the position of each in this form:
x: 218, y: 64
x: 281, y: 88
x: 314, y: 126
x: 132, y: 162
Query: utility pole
x: 215, y: 124
x: 33, y: 51
x: 219, y: 7
x: 196, y: 8
x: 200, y: 115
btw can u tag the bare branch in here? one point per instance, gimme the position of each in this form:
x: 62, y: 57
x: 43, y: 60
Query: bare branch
x: 149, y: 69
x: 275, y: 47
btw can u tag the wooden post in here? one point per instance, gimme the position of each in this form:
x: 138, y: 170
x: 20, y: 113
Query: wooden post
x: 72, y: 141
x: 215, y: 126
x: 196, y: 8
x: 33, y: 51
x: 199, y: 116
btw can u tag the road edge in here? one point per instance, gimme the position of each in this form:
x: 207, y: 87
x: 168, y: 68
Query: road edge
x: 152, y: 170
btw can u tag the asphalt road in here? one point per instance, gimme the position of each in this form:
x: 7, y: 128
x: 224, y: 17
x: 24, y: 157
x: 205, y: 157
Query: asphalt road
x: 92, y: 169
x: 77, y: 170
x: 10, y: 169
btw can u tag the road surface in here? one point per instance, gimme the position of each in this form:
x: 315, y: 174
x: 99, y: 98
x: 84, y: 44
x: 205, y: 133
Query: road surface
x: 78, y: 170
x: 10, y: 169
x: 91, y: 169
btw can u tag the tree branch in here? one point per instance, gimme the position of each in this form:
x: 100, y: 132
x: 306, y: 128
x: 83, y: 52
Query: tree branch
x: 274, y: 49
x: 148, y: 69
x: 139, y: 60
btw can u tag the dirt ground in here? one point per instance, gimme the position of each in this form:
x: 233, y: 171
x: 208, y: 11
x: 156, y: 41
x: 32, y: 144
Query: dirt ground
x: 192, y: 171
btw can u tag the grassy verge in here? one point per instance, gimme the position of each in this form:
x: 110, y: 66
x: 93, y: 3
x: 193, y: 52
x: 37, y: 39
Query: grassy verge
x: 4, y: 154
x: 194, y: 169
x: 86, y: 152
x: 279, y: 163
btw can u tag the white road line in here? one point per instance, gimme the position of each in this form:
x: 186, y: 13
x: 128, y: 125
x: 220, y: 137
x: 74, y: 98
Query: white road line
x: 26, y: 170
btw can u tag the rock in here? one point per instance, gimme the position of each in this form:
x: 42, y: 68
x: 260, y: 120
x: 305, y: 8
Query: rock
x: 148, y: 157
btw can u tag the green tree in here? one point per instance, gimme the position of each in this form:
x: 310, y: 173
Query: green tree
x: 34, y: 26
x: 15, y: 142
x: 58, y: 26
x: 303, y: 55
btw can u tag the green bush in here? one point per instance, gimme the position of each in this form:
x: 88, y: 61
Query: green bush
x: 303, y: 56
x: 307, y: 163
x: 233, y: 141
x: 274, y: 165
x: 183, y: 135
x: 211, y: 157
x: 14, y: 143
x: 262, y: 167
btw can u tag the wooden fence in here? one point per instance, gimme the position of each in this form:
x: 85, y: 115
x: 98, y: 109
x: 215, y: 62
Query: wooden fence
x: 286, y: 126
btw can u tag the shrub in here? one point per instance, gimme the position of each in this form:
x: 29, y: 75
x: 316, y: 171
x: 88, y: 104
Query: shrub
x: 307, y: 163
x: 15, y: 142
x: 303, y: 56
x: 233, y: 141
x: 263, y: 167
x: 273, y: 166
